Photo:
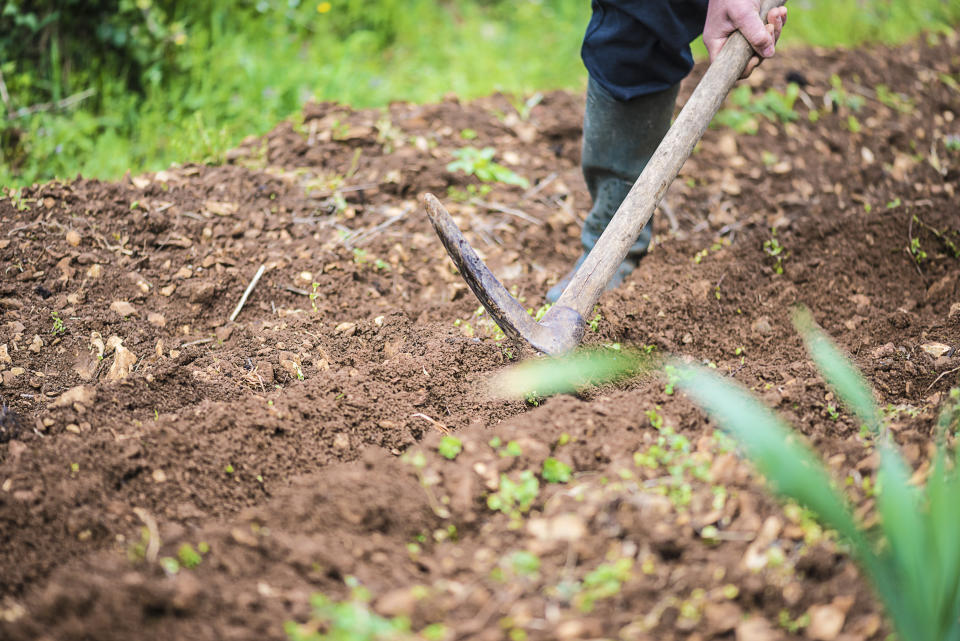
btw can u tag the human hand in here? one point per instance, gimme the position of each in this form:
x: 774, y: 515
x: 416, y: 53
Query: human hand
x: 726, y: 16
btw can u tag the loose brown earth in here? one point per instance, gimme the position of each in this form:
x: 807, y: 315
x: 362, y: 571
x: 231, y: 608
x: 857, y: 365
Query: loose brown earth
x: 277, y: 440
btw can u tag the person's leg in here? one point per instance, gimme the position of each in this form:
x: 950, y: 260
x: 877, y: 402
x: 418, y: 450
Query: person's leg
x: 619, y: 137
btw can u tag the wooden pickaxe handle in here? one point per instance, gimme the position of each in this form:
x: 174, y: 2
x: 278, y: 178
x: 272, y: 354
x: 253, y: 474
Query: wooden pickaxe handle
x: 621, y: 233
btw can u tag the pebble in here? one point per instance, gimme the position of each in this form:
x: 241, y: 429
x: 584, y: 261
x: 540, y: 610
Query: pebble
x: 762, y: 325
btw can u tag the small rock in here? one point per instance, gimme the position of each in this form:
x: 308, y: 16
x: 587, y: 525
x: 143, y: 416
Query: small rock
x: 341, y: 441
x: 757, y: 629
x: 400, y: 601
x: 113, y: 342
x: 86, y: 364
x: 10, y: 375
x: 81, y: 395
x: 95, y: 271
x: 73, y: 238
x: 201, y: 292
x: 5, y: 355
x: 96, y: 343
x: 934, y: 349
x: 157, y: 320
x: 565, y: 527
x: 762, y: 325
x: 954, y: 314
x: 123, y: 362
x: 347, y: 328
x: 884, y: 351
x: 168, y: 290
x: 36, y: 344
x: 722, y: 617
x: 826, y: 621
x: 860, y: 300
x: 123, y: 308
x: 223, y: 333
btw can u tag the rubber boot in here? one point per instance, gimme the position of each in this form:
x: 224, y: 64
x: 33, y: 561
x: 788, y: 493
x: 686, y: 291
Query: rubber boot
x: 618, y: 140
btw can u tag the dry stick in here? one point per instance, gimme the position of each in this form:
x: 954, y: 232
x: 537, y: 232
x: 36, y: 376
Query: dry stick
x: 440, y: 427
x: 243, y: 299
x: 937, y: 380
x: 153, y: 545
x: 503, y: 209
x: 200, y: 341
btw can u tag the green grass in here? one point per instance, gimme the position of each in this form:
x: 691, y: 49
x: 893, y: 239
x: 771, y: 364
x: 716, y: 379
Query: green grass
x: 240, y: 71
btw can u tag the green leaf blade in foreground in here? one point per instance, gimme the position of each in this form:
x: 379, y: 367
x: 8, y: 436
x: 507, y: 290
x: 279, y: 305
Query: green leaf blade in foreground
x: 837, y: 370
x: 567, y: 374
x: 791, y: 467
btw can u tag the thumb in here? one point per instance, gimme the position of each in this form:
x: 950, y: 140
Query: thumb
x: 752, y: 28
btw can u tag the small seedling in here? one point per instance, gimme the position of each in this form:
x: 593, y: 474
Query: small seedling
x: 450, y: 447
x: 515, y: 497
x: 58, y: 326
x: 595, y: 322
x: 479, y: 163
x: 603, y: 582
x: 555, y: 471
x: 773, y: 248
x: 188, y: 556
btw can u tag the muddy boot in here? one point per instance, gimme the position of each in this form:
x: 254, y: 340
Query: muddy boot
x: 618, y: 140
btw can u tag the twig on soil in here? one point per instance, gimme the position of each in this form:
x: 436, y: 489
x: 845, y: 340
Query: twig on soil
x: 153, y: 545
x: 243, y: 299
x: 200, y: 341
x: 536, y: 189
x: 503, y: 209
x: 294, y: 290
x: 355, y: 238
x: 440, y: 427
x: 937, y: 379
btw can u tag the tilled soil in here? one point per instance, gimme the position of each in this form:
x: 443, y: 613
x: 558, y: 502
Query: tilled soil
x: 296, y: 447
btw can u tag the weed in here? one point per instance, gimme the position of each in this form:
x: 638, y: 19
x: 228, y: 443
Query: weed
x: 773, y: 248
x: 911, y: 556
x: 58, y: 326
x: 555, y: 471
x: 793, y: 626
x: 772, y: 105
x: 532, y: 398
x: 918, y: 254
x: 479, y: 163
x: 314, y: 295
x: 228, y: 468
x: 188, y: 556
x: 837, y: 97
x: 603, y: 582
x: 450, y: 447
x: 952, y: 143
x: 169, y: 564
x: 351, y: 620
x: 594, y: 323
x: 512, y: 448
x: 524, y: 563
x: 515, y: 497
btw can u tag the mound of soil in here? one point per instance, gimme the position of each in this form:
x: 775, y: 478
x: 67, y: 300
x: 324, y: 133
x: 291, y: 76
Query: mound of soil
x: 167, y: 472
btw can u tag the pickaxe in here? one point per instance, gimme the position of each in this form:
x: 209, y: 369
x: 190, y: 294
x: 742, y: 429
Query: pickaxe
x: 563, y: 325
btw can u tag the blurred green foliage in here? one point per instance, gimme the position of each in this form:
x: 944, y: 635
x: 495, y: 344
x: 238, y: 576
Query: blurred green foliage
x: 156, y: 81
